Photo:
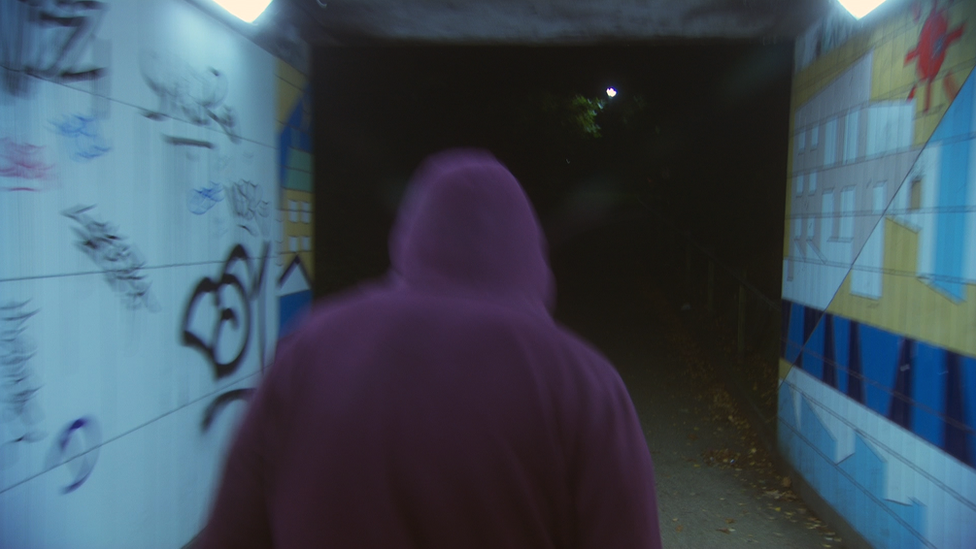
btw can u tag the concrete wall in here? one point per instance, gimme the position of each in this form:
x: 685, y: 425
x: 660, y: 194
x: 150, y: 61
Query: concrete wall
x: 877, y: 402
x: 143, y: 152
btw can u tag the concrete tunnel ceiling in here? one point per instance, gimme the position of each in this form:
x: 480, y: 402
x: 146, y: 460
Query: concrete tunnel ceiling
x: 339, y: 22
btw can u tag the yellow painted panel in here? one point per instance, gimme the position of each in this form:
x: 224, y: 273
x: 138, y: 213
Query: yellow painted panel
x: 828, y: 67
x: 908, y: 305
x: 891, y: 77
x: 288, y: 97
x: 784, y: 368
x: 291, y: 75
x: 298, y: 229
x: 308, y: 260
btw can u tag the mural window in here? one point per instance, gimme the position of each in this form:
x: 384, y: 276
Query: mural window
x: 798, y: 184
x: 850, y: 137
x: 797, y: 228
x: 878, y: 198
x: 830, y: 142
x: 846, y: 225
x: 915, y: 196
x: 812, y: 229
x: 812, y: 183
x: 801, y: 141
x: 306, y: 243
x: 306, y: 212
x: 293, y: 211
x: 827, y: 212
x: 814, y: 137
x: 292, y: 243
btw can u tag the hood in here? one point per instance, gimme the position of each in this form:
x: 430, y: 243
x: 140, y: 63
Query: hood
x: 466, y: 226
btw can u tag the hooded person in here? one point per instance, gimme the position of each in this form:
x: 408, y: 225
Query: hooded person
x: 442, y: 407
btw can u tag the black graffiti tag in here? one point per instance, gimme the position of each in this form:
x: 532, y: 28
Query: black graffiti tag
x: 46, y: 39
x: 184, y: 92
x: 230, y: 313
x: 119, y: 261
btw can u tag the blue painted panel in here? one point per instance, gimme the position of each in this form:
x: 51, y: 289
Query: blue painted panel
x: 292, y: 309
x: 879, y: 355
x: 958, y: 119
x: 842, y: 337
x: 954, y: 175
x: 890, y: 525
x: 284, y: 148
x: 820, y: 465
x: 796, y: 333
x: 785, y: 308
x: 813, y: 351
x: 854, y: 487
x: 953, y: 189
x: 929, y: 379
x: 968, y: 388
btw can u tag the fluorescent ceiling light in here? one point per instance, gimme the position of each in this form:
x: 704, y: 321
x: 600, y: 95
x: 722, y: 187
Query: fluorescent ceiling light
x: 245, y: 10
x: 860, y: 8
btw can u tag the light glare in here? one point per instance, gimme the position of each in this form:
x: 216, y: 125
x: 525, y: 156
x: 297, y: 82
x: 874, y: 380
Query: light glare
x: 860, y: 8
x: 611, y: 92
x: 245, y: 10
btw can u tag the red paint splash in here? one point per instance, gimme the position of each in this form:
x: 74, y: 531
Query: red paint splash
x: 22, y: 161
x: 930, y: 52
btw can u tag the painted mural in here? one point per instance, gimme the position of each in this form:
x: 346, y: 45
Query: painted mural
x: 878, y: 369
x: 297, y: 199
x: 146, y: 153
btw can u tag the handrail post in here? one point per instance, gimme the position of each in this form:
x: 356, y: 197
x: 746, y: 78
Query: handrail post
x: 711, y: 286
x: 741, y: 340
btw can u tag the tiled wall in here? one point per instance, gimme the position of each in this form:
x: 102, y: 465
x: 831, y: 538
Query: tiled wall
x: 139, y: 214
x: 878, y: 389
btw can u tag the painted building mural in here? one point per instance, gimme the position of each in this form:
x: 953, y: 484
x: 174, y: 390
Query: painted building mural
x: 295, y: 177
x: 877, y: 402
x: 144, y: 148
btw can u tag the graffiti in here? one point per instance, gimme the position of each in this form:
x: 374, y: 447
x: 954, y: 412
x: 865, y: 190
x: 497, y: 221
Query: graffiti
x: 18, y: 385
x: 183, y: 141
x: 201, y: 200
x: 246, y: 203
x: 930, y: 52
x: 23, y: 161
x: 228, y: 321
x: 120, y: 263
x: 46, y: 39
x: 84, y: 135
x: 196, y: 96
x: 219, y: 403
x: 221, y: 332
x: 76, y: 447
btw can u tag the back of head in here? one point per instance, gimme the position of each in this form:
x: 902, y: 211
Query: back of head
x: 467, y: 226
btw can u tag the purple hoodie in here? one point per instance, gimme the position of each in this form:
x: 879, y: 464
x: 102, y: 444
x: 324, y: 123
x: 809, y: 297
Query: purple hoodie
x: 442, y: 407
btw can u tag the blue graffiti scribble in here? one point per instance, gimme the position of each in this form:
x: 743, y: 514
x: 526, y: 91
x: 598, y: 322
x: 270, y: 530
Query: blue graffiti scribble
x: 77, y: 448
x: 84, y: 134
x: 201, y: 200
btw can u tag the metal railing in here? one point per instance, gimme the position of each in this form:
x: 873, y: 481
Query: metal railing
x: 729, y: 312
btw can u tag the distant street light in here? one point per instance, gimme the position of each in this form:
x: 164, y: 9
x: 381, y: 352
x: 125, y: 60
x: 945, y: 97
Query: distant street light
x: 611, y: 92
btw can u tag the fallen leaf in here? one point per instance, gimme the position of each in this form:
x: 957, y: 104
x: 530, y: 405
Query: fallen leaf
x: 729, y: 520
x: 679, y: 528
x: 724, y: 530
